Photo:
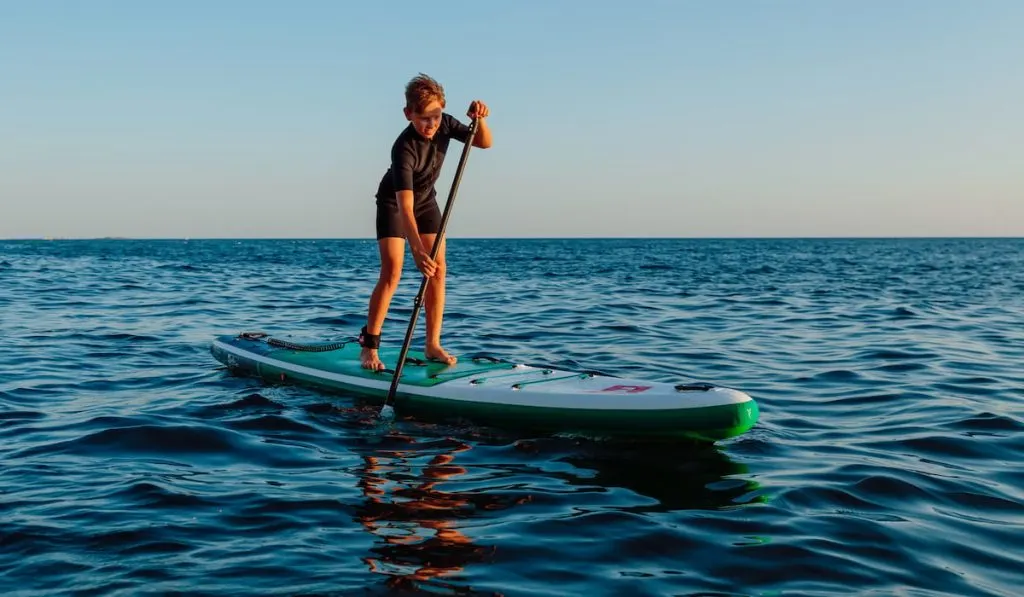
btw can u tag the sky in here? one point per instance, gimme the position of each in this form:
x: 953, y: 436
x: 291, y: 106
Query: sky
x: 650, y: 118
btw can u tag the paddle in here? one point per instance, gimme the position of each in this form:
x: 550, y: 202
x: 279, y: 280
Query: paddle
x: 387, y: 411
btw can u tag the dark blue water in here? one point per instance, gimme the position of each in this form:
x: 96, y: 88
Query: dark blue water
x: 889, y: 458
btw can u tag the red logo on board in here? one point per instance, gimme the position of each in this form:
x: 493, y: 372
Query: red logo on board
x: 627, y: 389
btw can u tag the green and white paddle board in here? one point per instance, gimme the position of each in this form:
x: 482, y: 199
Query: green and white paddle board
x: 494, y: 392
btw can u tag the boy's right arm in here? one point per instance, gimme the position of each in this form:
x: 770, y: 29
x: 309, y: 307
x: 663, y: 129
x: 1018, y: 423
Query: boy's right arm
x: 402, y: 162
x: 412, y: 234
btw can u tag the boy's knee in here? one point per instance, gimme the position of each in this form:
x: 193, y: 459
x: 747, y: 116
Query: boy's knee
x: 389, y: 280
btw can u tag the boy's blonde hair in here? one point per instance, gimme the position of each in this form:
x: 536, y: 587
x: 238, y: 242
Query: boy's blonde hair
x: 422, y: 90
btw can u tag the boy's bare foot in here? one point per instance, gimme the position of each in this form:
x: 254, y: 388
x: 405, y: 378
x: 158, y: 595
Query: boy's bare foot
x: 436, y: 353
x: 370, y: 359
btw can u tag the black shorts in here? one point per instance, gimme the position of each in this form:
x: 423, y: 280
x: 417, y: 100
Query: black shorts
x: 389, y: 220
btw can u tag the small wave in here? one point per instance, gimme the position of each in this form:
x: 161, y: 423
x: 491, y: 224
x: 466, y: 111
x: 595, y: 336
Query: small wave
x: 182, y: 267
x: 946, y: 446
x: 273, y: 423
x: 19, y: 415
x: 341, y: 321
x: 885, y: 487
x: 837, y: 375
x: 143, y: 540
x: 901, y: 367
x: 989, y: 422
x: 249, y: 402
x: 27, y: 539
x: 160, y: 440
x: 960, y: 386
x: 884, y: 354
x: 127, y: 337
x: 147, y: 494
x: 656, y: 267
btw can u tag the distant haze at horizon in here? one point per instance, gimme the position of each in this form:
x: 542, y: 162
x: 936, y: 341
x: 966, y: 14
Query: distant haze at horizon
x: 678, y: 120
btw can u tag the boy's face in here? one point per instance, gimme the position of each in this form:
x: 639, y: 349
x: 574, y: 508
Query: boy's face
x: 427, y: 121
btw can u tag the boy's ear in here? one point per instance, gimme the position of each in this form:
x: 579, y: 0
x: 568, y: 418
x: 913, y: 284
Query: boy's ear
x: 407, y: 112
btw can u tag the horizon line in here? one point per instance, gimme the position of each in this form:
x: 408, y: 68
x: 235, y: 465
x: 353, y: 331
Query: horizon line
x: 371, y: 238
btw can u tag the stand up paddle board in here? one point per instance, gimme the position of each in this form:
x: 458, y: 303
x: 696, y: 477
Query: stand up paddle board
x: 494, y: 392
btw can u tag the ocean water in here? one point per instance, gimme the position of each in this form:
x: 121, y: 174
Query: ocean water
x: 889, y: 457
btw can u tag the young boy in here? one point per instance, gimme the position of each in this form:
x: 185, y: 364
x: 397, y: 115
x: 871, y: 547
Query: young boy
x: 407, y: 210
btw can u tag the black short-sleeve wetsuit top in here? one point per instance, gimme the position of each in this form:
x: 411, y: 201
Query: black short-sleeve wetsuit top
x: 415, y: 166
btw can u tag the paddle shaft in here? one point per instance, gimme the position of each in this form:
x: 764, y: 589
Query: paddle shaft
x: 418, y: 301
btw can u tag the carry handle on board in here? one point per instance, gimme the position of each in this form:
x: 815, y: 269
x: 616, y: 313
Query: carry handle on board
x: 387, y: 411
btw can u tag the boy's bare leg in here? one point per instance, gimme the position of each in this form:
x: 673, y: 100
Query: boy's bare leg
x: 392, y: 250
x: 434, y: 305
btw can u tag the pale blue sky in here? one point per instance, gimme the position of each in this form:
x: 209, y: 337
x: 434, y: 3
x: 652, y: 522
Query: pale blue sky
x: 219, y: 118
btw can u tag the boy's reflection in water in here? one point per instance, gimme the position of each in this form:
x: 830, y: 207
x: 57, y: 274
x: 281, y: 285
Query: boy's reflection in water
x: 417, y: 523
